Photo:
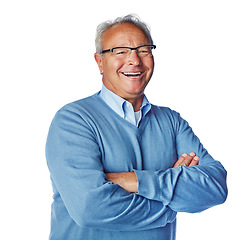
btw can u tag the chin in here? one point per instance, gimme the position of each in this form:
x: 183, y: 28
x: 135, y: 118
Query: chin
x: 136, y: 90
x: 133, y: 93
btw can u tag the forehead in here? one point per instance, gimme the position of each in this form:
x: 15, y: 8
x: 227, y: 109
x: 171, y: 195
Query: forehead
x: 123, y: 34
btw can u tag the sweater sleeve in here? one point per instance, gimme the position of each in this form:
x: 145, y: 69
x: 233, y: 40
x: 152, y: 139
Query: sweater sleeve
x: 186, y: 189
x: 74, y: 160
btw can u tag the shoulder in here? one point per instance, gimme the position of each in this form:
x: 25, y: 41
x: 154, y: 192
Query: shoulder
x: 82, y: 110
x: 169, y: 117
x: 164, y: 111
x: 81, y: 104
x: 88, y: 105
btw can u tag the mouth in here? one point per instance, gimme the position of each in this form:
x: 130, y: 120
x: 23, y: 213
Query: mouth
x: 132, y: 74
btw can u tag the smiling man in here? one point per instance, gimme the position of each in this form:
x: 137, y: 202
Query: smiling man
x: 121, y: 168
x: 127, y: 65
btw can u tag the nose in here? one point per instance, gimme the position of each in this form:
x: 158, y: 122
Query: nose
x: 134, y: 59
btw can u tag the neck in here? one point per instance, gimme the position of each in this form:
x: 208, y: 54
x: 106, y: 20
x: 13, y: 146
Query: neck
x: 134, y: 99
x: 136, y: 102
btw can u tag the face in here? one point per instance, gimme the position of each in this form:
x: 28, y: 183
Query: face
x: 116, y: 71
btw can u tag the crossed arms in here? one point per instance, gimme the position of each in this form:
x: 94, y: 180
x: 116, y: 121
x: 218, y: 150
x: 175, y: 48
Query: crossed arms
x: 129, y: 182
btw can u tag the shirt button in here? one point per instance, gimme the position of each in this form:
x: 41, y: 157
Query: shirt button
x: 128, y: 105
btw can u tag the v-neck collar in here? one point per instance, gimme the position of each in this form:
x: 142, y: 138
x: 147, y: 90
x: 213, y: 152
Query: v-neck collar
x: 124, y: 122
x: 124, y: 108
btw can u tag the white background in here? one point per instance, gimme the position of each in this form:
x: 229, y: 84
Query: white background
x: 46, y: 61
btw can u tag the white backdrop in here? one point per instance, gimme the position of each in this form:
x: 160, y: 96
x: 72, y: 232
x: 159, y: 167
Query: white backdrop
x: 46, y: 61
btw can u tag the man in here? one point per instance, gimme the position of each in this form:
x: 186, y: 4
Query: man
x: 122, y: 168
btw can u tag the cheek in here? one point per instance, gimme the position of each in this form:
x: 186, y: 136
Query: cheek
x: 112, y: 67
x: 150, y: 66
x: 117, y: 65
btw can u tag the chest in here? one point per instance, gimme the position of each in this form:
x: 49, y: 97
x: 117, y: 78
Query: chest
x: 152, y: 147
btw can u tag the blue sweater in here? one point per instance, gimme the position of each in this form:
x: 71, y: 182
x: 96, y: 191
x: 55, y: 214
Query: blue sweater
x: 88, y: 139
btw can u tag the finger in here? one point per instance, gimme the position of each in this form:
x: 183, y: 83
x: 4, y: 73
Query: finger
x: 188, y: 159
x: 180, y: 160
x: 195, y: 161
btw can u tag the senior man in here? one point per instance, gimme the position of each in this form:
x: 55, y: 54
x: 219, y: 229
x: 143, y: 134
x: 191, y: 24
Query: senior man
x: 121, y: 168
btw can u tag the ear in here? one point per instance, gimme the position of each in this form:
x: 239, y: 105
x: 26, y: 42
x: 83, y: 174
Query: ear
x: 99, y: 61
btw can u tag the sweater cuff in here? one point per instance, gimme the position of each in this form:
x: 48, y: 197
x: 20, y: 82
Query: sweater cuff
x: 148, y: 184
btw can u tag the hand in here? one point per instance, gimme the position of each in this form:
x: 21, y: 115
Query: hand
x: 187, y: 160
x: 126, y: 180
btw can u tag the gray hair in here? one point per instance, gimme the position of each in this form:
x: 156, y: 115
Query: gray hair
x: 133, y: 19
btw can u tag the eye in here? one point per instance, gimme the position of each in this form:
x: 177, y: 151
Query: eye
x: 120, y: 51
x: 144, y: 50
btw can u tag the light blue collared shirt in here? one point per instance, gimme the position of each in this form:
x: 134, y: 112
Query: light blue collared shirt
x: 124, y: 108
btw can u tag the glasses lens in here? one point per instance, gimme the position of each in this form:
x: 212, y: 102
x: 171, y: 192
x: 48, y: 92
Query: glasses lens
x: 144, y: 51
x: 121, y: 52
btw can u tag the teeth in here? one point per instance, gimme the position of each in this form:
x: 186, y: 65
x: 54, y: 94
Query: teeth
x: 132, y: 74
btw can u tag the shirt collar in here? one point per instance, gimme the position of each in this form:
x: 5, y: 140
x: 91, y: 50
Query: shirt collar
x: 113, y: 100
x: 118, y: 104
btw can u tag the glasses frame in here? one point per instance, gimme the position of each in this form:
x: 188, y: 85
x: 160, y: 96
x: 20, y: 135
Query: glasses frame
x: 130, y: 48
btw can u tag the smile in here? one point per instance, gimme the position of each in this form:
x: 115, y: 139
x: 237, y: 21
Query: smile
x: 131, y: 74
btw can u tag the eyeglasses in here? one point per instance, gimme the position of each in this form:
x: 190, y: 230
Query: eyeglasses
x: 122, y: 52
